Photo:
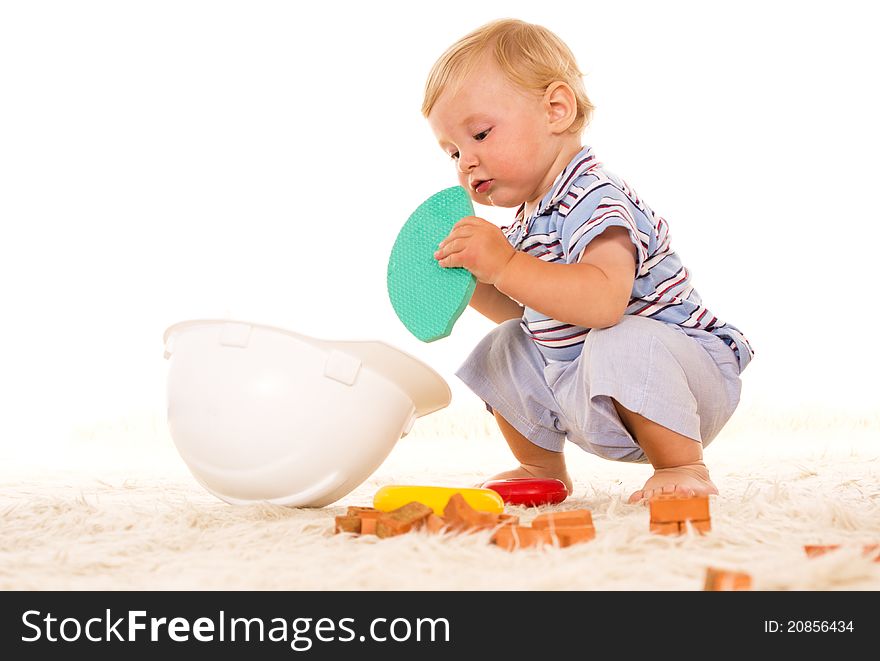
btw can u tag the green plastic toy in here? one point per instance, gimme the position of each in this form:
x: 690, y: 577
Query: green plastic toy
x: 428, y: 298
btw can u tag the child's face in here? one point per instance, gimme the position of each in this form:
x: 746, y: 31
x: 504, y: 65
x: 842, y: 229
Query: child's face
x: 498, y: 136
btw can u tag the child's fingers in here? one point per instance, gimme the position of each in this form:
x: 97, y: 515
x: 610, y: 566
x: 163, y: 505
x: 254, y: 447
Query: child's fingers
x: 453, y: 236
x: 467, y: 225
x: 448, y: 259
x: 447, y: 262
x: 448, y: 247
x: 467, y: 220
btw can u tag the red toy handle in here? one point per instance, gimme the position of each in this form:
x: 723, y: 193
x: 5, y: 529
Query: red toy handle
x: 529, y: 491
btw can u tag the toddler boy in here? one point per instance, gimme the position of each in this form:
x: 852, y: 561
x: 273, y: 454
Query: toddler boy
x: 602, y: 338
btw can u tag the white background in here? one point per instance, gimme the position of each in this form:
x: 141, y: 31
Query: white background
x: 163, y: 161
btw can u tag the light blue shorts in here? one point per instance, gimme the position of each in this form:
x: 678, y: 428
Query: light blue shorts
x: 685, y: 380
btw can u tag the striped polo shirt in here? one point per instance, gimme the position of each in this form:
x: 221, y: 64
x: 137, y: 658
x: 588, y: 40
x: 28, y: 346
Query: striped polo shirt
x: 583, y: 202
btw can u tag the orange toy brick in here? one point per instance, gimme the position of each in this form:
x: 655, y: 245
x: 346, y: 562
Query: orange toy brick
x: 354, y: 510
x: 363, y: 512
x: 723, y: 580
x: 814, y: 550
x: 460, y: 516
x: 680, y: 527
x: 360, y: 520
x: 568, y: 527
x: 369, y: 519
x: 402, y: 520
x: 565, y: 519
x: 508, y: 520
x: 348, y: 524
x: 435, y: 524
x: 667, y: 508
x: 567, y: 536
x: 671, y: 528
x: 519, y: 537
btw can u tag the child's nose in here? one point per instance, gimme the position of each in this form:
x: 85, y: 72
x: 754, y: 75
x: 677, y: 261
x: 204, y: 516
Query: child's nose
x: 467, y: 161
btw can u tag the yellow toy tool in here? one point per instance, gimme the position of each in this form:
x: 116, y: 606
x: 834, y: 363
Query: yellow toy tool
x: 397, y: 495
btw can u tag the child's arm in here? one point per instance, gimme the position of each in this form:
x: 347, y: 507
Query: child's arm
x: 491, y: 303
x: 593, y: 293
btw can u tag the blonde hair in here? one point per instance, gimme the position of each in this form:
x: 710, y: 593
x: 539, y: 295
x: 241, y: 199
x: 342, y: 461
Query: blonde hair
x: 530, y: 56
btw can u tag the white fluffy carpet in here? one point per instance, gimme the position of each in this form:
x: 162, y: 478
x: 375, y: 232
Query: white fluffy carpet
x: 118, y: 510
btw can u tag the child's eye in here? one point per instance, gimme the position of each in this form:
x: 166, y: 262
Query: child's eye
x: 479, y: 137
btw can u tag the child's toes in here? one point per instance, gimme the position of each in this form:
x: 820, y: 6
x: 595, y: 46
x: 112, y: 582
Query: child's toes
x: 684, y: 492
x: 651, y: 493
x: 636, y: 497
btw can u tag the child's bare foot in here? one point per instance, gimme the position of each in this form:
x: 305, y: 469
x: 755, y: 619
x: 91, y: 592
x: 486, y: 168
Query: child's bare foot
x: 688, y: 480
x: 535, y: 471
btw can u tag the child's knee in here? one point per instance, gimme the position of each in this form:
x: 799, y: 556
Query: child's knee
x: 498, y: 352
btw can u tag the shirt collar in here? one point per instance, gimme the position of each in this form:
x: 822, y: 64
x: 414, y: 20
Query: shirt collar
x: 583, y: 161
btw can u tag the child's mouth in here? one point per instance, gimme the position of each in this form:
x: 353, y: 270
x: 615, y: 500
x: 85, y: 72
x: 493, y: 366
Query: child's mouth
x: 482, y: 187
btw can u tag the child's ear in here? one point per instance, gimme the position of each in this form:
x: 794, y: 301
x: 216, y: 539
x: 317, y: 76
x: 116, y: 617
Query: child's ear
x: 560, y: 105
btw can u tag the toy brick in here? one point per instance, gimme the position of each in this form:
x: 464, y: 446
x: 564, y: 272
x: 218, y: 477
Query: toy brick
x: 508, y: 520
x: 354, y: 510
x: 671, y: 528
x: 368, y: 517
x: 814, y: 550
x: 402, y: 520
x: 460, y: 516
x: 567, y: 536
x: 667, y: 508
x: 368, y: 525
x: 457, y: 507
x: 391, y: 528
x: 563, y: 519
x: 435, y: 524
x: 721, y: 580
x: 519, y: 537
x: 348, y: 524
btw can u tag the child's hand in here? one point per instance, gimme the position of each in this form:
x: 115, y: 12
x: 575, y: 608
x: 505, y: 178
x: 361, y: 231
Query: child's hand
x: 477, y: 245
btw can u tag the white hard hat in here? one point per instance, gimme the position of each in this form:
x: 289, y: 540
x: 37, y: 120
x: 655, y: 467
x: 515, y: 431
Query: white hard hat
x: 262, y: 414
